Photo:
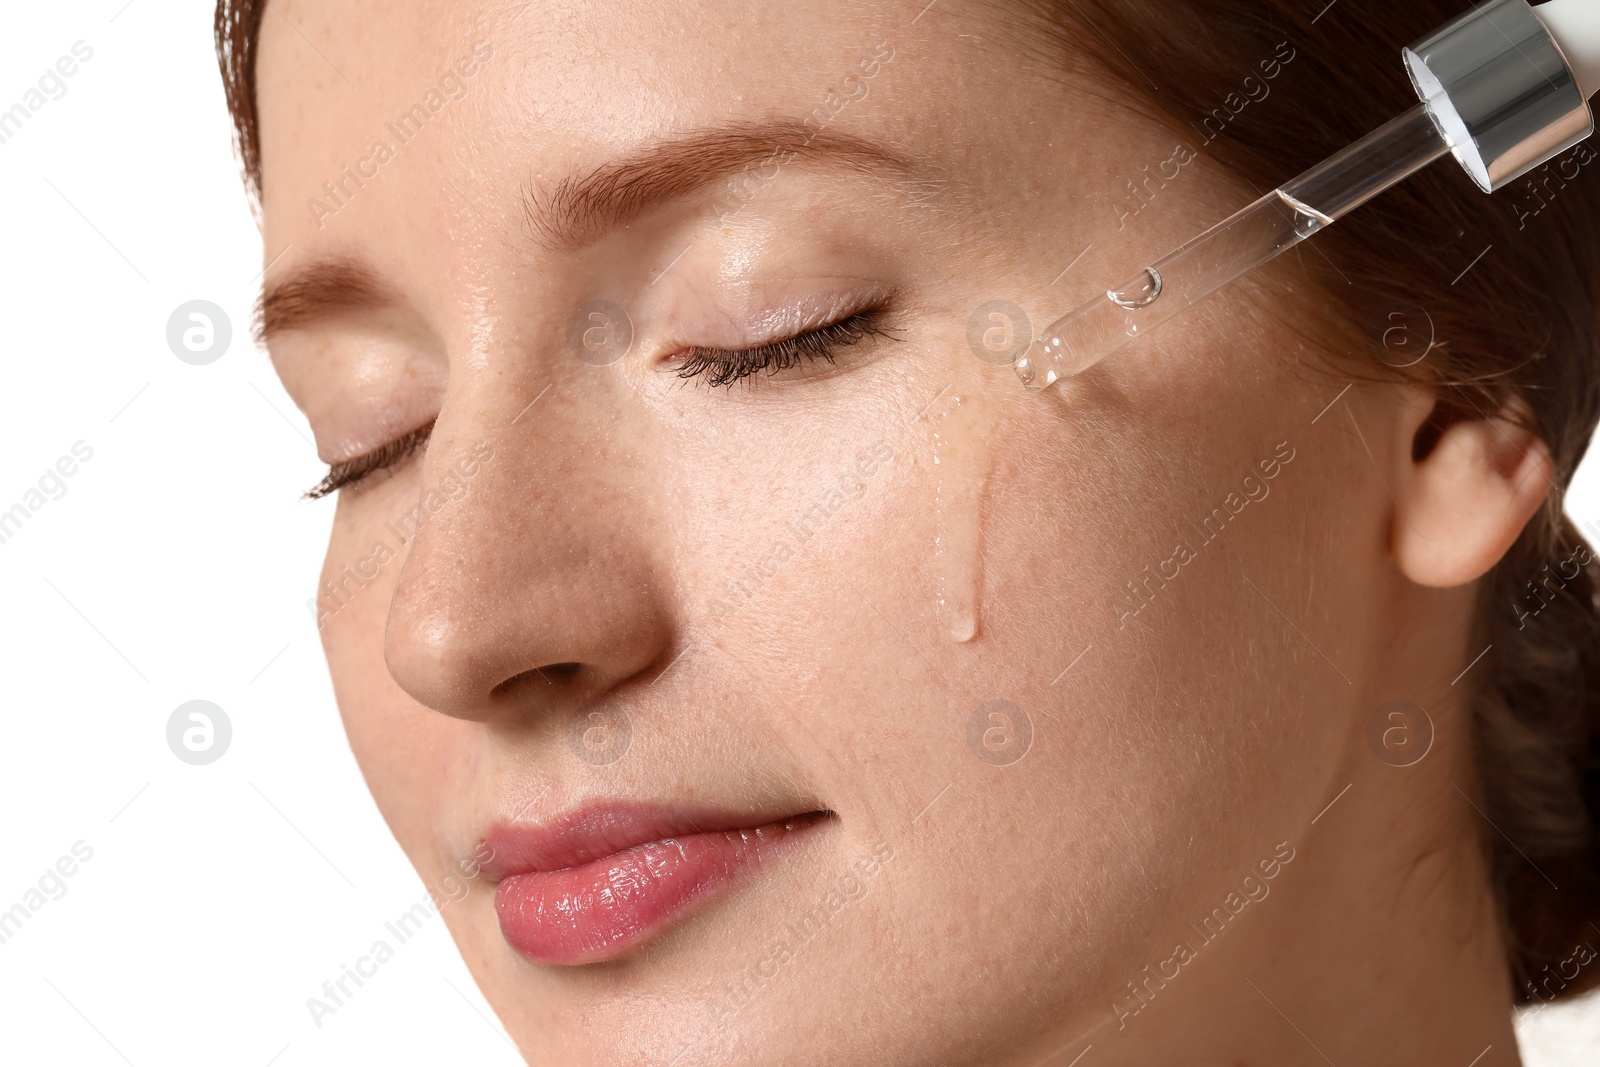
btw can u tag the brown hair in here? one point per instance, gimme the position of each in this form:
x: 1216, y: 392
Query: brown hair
x: 236, y: 28
x: 1516, y: 337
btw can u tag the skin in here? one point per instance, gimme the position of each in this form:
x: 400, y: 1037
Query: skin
x: 577, y: 569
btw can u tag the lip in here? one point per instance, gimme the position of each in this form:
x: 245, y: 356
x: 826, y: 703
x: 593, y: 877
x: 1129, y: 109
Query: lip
x: 597, y: 883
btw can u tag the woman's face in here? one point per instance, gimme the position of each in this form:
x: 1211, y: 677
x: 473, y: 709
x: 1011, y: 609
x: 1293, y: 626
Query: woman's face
x: 1014, y: 686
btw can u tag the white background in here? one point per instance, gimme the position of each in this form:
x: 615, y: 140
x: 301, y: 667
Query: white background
x: 177, y: 567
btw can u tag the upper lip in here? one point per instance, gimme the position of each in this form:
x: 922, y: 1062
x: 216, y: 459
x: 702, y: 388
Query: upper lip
x: 596, y: 831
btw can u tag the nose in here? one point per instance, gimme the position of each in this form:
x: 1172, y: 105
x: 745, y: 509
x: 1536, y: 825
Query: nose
x: 539, y: 583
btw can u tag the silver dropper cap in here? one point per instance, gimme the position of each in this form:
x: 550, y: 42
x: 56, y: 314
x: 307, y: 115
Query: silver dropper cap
x: 1499, y: 90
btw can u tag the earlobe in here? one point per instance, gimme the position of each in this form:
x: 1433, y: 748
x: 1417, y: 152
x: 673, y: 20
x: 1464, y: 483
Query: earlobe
x: 1463, y: 498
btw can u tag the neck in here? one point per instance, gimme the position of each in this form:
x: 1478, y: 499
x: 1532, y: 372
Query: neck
x: 1378, y: 943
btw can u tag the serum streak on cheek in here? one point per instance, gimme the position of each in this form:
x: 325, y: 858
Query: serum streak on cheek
x: 962, y: 465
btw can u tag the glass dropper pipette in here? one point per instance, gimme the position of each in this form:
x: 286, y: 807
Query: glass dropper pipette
x: 1237, y: 245
x: 1498, y: 92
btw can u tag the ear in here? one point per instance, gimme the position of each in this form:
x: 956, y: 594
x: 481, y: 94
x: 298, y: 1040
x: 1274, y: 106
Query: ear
x: 1463, y: 493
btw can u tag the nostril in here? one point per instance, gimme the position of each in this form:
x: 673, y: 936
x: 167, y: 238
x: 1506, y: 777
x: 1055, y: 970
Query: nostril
x: 560, y: 675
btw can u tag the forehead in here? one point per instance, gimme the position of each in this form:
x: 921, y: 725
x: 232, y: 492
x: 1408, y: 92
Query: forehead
x: 552, y: 84
x: 400, y: 97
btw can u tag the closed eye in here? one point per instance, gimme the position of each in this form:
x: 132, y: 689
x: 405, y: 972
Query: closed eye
x: 720, y: 366
x: 352, y: 471
x: 717, y: 366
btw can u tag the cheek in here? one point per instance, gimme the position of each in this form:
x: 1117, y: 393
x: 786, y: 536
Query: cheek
x: 406, y: 752
x: 1167, y: 690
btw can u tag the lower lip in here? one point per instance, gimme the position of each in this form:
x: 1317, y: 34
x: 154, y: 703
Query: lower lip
x: 604, y: 909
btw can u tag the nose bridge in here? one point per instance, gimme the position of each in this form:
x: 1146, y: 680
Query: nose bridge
x: 532, y: 558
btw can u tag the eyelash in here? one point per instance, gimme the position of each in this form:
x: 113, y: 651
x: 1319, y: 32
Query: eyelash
x: 358, y: 469
x: 724, y: 367
x: 718, y: 366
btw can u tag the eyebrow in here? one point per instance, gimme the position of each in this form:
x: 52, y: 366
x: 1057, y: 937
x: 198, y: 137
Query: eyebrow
x: 319, y: 290
x: 583, y: 206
